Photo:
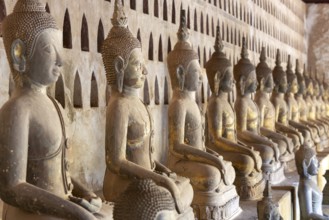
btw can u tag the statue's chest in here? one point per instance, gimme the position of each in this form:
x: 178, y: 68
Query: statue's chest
x: 45, y: 133
x: 228, y: 115
x: 283, y: 112
x: 192, y: 118
x: 139, y: 125
x: 252, y: 115
x: 294, y: 109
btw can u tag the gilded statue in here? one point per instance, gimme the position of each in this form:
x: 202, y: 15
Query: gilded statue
x: 311, y: 112
x: 129, y: 131
x: 293, y: 107
x: 309, y: 194
x: 209, y: 173
x: 267, y: 112
x: 303, y: 111
x: 248, y: 120
x: 221, y: 121
x: 281, y: 109
x: 35, y: 183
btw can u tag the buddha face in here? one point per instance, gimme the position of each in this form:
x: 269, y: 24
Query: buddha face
x: 227, y: 83
x: 294, y: 86
x: 45, y: 62
x: 251, y: 82
x: 283, y: 85
x: 313, y: 167
x: 134, y: 73
x: 268, y: 83
x: 310, y: 89
x: 193, y: 77
x: 316, y: 89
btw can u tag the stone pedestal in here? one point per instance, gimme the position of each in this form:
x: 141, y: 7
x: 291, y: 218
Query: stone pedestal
x: 222, y: 205
x: 277, y: 176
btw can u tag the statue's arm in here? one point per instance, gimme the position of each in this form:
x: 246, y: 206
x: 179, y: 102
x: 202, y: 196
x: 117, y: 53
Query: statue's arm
x: 299, y: 125
x: 14, y: 190
x: 181, y: 149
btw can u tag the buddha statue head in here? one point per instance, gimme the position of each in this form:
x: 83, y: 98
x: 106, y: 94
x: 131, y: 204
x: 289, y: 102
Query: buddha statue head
x: 244, y: 72
x: 183, y: 61
x: 316, y: 86
x: 219, y: 68
x: 301, y: 81
x: 291, y: 77
x: 306, y: 162
x: 122, y: 54
x: 144, y: 200
x: 279, y: 75
x: 264, y: 73
x: 33, y: 44
x: 266, y: 208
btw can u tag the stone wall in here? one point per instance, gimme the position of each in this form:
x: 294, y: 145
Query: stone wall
x: 82, y: 89
x: 317, y: 29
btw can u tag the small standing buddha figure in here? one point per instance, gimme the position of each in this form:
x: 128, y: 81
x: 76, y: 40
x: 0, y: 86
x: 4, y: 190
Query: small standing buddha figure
x: 35, y: 183
x: 293, y: 107
x: 129, y: 130
x: 267, y: 111
x: 211, y: 177
x: 303, y: 111
x: 311, y: 113
x: 309, y: 194
x: 222, y: 129
x: 247, y: 112
x: 281, y: 108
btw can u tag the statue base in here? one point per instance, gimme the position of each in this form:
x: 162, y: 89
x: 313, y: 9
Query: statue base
x: 277, y: 175
x: 250, y: 188
x: 222, y: 205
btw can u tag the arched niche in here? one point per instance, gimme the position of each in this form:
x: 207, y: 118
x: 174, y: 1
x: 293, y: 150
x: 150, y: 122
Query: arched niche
x: 100, y: 36
x: 77, y: 92
x: 146, y: 97
x: 156, y: 92
x: 84, y: 34
x: 166, y: 92
x: 67, y: 33
x: 151, y: 53
x: 60, y: 91
x: 94, y: 91
x: 160, y: 50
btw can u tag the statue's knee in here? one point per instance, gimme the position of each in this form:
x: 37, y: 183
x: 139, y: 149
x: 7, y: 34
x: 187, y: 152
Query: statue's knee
x: 282, y: 147
x: 209, y: 181
x: 267, y: 154
x: 245, y: 165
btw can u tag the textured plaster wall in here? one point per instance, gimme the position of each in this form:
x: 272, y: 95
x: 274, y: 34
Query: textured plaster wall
x: 261, y: 21
x: 317, y: 41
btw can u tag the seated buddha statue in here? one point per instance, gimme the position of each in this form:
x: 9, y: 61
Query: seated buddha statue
x: 247, y: 112
x: 311, y: 113
x: 267, y: 111
x: 326, y: 97
x: 211, y: 176
x: 309, y: 194
x: 293, y: 107
x: 280, y: 105
x: 221, y: 121
x: 303, y: 111
x: 129, y: 131
x: 34, y: 171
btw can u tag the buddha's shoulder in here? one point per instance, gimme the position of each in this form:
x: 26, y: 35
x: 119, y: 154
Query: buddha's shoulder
x: 16, y: 106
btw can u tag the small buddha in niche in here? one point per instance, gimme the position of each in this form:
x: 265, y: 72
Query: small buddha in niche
x: 279, y: 102
x: 303, y: 111
x: 248, y: 130
x: 222, y: 129
x: 210, y: 175
x: 267, y: 111
x: 34, y: 178
x: 129, y: 130
x: 309, y: 194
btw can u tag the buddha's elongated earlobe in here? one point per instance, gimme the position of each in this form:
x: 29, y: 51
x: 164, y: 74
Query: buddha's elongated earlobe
x: 217, y: 82
x: 242, y: 85
x: 119, y: 70
x: 180, y: 73
x: 18, y: 52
